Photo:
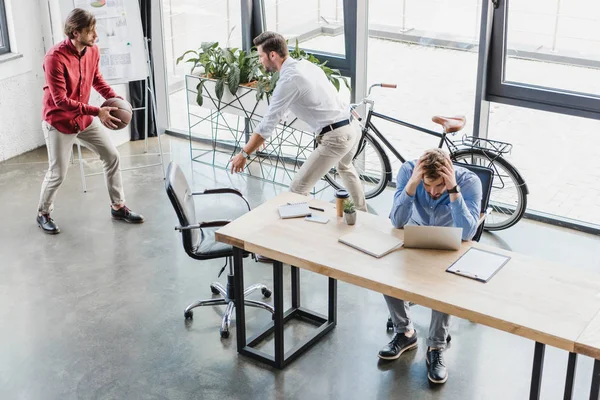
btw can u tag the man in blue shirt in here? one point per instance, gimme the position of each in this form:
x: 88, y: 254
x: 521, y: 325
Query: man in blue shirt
x: 431, y: 191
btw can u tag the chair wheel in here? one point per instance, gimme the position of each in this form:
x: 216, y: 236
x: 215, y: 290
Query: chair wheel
x: 266, y: 292
x: 390, y: 324
x: 214, y: 290
x: 224, y: 333
x: 188, y: 314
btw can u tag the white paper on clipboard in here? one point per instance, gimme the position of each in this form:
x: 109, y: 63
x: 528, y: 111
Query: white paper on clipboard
x: 478, y: 264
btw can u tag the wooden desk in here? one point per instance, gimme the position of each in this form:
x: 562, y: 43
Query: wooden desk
x: 588, y: 344
x: 538, y: 300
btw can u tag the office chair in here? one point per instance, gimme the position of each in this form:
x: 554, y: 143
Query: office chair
x: 486, y: 176
x: 199, y: 243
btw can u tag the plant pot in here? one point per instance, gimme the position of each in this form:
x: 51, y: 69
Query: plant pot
x: 350, y: 218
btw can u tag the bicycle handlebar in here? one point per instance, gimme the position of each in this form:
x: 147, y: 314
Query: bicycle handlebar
x: 383, y: 85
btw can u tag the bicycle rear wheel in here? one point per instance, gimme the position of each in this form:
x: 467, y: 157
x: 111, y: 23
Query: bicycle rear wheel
x: 508, y: 198
x: 372, y: 166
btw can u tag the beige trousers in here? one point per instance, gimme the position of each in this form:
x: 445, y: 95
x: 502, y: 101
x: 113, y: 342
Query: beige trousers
x: 336, y: 147
x: 60, y: 147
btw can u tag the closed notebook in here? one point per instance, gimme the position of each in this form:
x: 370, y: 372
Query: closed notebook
x: 372, y: 242
x: 294, y: 210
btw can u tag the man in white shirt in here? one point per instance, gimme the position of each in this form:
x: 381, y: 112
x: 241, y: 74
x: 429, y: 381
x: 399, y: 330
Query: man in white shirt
x: 304, y: 89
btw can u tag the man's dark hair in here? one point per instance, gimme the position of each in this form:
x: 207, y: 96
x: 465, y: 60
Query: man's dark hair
x: 432, y: 162
x: 272, y: 41
x: 77, y: 21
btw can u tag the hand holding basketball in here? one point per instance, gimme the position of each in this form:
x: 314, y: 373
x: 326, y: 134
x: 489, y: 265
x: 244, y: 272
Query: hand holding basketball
x: 115, y: 113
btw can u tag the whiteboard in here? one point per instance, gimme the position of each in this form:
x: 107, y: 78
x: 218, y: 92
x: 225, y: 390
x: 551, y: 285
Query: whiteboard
x: 120, y: 37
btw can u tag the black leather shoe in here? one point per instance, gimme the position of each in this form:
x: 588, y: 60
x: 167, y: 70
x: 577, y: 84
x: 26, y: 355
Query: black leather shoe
x: 399, y: 344
x: 436, y: 369
x: 47, y: 224
x: 125, y: 214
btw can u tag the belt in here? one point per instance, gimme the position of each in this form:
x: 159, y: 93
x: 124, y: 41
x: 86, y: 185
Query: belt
x: 331, y: 127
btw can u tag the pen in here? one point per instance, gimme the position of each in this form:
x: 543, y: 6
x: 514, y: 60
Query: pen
x: 316, y: 208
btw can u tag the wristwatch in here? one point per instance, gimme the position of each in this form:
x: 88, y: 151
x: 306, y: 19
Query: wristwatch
x: 246, y: 155
x: 455, y: 189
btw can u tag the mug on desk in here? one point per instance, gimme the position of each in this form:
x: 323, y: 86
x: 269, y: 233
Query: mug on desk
x: 340, y: 196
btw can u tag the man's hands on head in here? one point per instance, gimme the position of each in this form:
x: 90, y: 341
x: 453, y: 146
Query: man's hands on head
x: 447, y: 172
x: 106, y: 118
x: 415, y: 179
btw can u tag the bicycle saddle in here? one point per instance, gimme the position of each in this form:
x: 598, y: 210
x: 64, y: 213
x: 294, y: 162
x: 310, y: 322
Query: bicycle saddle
x: 450, y: 124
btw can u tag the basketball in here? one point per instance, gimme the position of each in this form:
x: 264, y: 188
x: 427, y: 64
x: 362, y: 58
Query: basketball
x: 124, y: 112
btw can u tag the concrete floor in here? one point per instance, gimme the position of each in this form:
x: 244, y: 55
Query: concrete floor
x: 96, y: 312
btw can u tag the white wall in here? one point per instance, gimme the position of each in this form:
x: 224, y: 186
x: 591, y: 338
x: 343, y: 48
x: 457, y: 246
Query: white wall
x: 21, y: 81
x: 22, y: 78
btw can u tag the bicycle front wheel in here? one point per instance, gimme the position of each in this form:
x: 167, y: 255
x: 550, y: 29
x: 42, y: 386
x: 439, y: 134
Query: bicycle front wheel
x: 508, y: 198
x: 372, y: 166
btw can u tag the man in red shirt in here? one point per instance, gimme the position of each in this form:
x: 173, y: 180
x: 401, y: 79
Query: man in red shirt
x: 71, y: 69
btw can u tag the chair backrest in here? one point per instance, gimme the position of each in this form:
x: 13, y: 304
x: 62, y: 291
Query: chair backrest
x: 486, y: 176
x: 180, y: 194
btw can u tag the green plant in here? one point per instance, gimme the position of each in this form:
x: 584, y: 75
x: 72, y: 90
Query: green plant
x: 349, y: 206
x: 213, y: 60
x: 234, y: 67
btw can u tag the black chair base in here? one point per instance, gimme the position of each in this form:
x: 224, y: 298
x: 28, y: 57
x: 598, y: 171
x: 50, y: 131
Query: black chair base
x: 227, y: 298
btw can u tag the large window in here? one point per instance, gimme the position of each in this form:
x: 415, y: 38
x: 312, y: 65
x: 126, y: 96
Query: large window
x: 187, y: 24
x: 544, y: 87
x: 429, y: 50
x: 309, y: 19
x: 4, y: 43
x: 546, y: 55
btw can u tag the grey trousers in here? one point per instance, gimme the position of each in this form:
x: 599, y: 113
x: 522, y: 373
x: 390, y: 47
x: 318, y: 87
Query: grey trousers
x: 336, y: 147
x: 438, y: 327
x: 60, y: 147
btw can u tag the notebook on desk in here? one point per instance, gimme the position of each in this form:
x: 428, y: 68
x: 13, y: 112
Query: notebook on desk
x: 294, y: 210
x: 372, y: 242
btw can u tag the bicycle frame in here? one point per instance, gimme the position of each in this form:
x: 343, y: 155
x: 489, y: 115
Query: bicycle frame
x: 370, y: 126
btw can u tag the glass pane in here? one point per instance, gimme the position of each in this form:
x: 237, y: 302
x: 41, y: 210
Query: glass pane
x: 186, y: 25
x: 556, y: 155
x: 431, y: 80
x: 554, y: 44
x: 318, y: 24
x: 455, y: 20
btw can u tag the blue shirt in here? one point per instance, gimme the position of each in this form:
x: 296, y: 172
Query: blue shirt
x: 422, y: 209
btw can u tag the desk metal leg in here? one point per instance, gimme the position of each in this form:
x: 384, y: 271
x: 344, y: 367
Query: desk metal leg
x: 238, y: 290
x: 295, y: 272
x: 538, y: 366
x: 595, y: 391
x: 332, y: 308
x: 570, y: 376
x: 278, y: 317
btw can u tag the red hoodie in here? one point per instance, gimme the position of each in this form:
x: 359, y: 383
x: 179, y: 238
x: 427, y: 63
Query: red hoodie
x: 70, y: 76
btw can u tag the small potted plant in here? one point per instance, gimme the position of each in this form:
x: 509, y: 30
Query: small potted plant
x: 349, y: 212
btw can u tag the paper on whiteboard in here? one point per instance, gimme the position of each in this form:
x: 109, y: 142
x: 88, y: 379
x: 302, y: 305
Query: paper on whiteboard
x: 114, y: 38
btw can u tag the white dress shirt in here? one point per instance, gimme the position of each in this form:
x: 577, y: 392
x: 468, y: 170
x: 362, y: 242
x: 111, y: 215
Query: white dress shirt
x: 304, y: 89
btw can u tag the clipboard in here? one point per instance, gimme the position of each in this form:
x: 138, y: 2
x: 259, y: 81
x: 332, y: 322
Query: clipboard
x: 480, y: 265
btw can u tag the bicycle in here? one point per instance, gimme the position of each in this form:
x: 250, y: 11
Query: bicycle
x: 508, y: 199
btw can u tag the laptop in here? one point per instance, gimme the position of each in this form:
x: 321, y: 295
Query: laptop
x: 432, y: 237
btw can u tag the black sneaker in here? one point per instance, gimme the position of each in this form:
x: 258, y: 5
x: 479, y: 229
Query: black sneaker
x: 125, y: 214
x: 399, y: 344
x: 47, y: 224
x: 436, y: 369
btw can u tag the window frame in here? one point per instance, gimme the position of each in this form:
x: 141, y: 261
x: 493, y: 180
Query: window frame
x: 5, y: 48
